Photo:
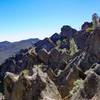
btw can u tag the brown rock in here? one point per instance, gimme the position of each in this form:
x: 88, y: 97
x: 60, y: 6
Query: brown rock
x: 68, y: 76
x: 65, y: 81
x: 54, y: 58
x: 90, y: 89
x: 35, y: 87
x: 57, y: 59
x: 86, y: 25
x: 54, y: 55
x: 95, y: 44
x: 43, y: 55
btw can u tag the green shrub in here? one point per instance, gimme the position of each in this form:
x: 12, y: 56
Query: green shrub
x: 76, y: 87
x: 25, y: 71
x: 89, y: 30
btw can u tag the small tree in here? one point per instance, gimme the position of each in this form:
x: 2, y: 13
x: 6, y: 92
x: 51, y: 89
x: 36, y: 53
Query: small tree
x: 73, y: 47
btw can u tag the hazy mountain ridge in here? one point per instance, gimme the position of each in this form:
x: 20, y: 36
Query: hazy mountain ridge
x: 7, y: 49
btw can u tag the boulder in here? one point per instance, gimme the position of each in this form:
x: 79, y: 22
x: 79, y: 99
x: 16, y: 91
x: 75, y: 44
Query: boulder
x: 38, y: 86
x: 91, y: 52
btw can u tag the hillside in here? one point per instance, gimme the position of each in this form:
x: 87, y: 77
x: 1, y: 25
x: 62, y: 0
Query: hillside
x: 65, y: 66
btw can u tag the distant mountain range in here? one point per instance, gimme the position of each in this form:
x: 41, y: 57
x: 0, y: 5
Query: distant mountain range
x: 7, y: 48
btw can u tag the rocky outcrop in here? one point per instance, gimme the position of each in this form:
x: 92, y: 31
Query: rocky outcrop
x: 23, y: 59
x: 59, y: 63
x: 86, y: 25
x: 54, y: 57
x: 91, y: 50
x: 58, y: 59
x: 65, y: 81
x: 90, y: 89
x: 81, y: 39
x: 26, y: 58
x: 77, y: 67
x: 67, y: 32
x: 67, y: 77
x: 55, y: 37
x: 47, y: 44
x: 43, y: 56
x: 38, y: 86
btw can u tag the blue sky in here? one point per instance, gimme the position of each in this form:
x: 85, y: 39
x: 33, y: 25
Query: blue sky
x: 23, y: 19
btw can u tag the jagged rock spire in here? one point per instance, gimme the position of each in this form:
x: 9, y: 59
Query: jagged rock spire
x: 96, y: 20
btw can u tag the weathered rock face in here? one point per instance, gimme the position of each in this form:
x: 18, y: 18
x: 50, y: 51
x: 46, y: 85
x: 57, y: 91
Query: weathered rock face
x: 67, y: 77
x: 90, y: 89
x: 43, y: 56
x: 27, y: 58
x: 95, y: 43
x: 58, y: 59
x: 46, y: 44
x: 38, y: 86
x: 65, y: 81
x: 81, y: 38
x: 62, y: 67
x: 86, y: 25
x: 23, y: 59
x: 95, y: 20
x: 92, y: 52
x: 55, y: 37
x: 67, y: 31
x: 1, y: 96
